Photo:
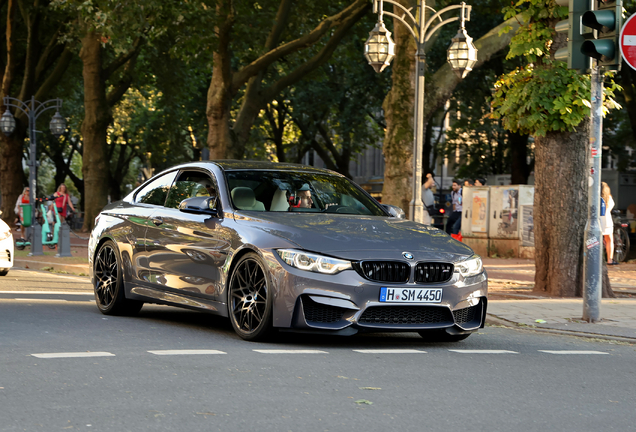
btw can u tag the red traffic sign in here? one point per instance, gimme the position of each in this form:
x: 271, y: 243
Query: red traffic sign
x: 627, y: 41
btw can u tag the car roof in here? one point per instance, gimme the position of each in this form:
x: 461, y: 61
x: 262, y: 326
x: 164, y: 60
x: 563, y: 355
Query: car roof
x: 236, y: 165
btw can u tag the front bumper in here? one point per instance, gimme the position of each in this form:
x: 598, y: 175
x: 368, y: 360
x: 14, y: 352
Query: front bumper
x: 6, y: 253
x: 347, y: 303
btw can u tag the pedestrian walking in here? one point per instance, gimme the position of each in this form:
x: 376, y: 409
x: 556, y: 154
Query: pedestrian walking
x: 454, y: 223
x: 607, y: 224
x: 23, y: 198
x: 480, y: 181
x: 428, y: 198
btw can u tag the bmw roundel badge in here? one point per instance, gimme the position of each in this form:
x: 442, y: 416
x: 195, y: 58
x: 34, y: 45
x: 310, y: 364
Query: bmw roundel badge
x: 407, y: 255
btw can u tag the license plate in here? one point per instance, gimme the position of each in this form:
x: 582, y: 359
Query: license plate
x: 411, y: 295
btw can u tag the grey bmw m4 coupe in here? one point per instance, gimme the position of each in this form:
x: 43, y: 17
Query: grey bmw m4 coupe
x: 282, y: 247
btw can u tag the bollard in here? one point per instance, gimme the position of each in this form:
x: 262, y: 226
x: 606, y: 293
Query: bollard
x: 64, y: 241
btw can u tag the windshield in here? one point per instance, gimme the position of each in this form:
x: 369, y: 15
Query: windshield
x: 289, y: 191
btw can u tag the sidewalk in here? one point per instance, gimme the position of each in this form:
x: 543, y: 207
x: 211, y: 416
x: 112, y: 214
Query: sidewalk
x: 511, y: 303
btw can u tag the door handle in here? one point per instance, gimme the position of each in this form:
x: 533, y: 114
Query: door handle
x: 157, y: 220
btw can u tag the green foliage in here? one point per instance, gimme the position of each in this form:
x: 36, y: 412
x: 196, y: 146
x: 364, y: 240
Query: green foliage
x: 539, y: 100
x: 543, y: 96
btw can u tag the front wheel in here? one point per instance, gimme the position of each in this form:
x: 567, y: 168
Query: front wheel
x: 250, y: 299
x: 109, y: 283
x: 4, y: 272
x: 621, y: 244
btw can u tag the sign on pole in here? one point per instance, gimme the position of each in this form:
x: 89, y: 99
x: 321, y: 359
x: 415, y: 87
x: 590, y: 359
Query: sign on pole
x: 627, y: 41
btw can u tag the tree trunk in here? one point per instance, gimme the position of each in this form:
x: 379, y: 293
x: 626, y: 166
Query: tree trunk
x: 398, y: 112
x: 11, y: 175
x: 219, y: 94
x: 97, y: 117
x: 560, y: 210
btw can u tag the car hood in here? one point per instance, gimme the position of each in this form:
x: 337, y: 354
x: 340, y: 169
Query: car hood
x: 359, y: 237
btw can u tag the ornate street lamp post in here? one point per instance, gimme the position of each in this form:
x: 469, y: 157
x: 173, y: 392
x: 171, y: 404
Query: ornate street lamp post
x: 32, y: 110
x: 380, y: 50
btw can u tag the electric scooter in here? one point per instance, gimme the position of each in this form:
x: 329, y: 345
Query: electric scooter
x: 49, y: 238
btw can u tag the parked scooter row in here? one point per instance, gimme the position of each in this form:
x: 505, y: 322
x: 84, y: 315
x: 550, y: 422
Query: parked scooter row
x: 50, y: 230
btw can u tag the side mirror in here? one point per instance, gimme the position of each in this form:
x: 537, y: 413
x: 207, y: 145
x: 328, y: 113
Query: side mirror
x: 200, y: 205
x: 394, y: 211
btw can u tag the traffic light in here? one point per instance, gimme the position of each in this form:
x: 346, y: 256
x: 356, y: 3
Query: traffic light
x: 606, y: 19
x: 577, y: 35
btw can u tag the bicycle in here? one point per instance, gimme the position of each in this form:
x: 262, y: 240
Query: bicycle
x: 621, y: 237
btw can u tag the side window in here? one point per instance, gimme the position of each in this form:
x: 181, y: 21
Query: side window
x: 156, y: 191
x: 191, y: 184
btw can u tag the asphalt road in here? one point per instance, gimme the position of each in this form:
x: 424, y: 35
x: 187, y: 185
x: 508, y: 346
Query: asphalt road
x: 65, y: 366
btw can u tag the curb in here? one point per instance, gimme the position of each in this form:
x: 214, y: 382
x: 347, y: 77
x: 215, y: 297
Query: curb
x: 495, y: 320
x: 55, y: 266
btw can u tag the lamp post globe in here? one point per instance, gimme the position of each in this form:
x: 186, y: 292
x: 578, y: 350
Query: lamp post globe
x: 7, y: 123
x: 462, y: 54
x: 57, y: 124
x: 379, y: 49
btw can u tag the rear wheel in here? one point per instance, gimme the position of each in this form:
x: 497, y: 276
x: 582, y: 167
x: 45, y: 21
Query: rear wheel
x: 442, y: 336
x: 250, y: 299
x: 109, y: 283
x: 621, y: 244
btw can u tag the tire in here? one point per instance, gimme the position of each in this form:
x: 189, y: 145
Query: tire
x: 250, y: 299
x: 4, y: 272
x: 441, y: 336
x: 109, y: 283
x: 20, y: 244
x: 621, y: 244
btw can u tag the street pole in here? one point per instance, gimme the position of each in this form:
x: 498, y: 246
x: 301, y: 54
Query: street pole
x: 592, y: 253
x: 416, y: 208
x: 33, y: 111
x: 36, y: 229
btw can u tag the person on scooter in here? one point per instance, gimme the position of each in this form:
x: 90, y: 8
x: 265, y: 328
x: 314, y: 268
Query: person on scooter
x: 62, y: 200
x: 22, y: 199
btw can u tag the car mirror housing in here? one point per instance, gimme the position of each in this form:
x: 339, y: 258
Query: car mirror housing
x: 395, y: 211
x: 199, y: 205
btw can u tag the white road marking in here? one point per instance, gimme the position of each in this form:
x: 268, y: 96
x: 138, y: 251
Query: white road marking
x: 572, y: 352
x: 186, y: 352
x: 484, y: 351
x: 74, y: 354
x: 390, y: 351
x: 41, y: 300
x: 291, y: 351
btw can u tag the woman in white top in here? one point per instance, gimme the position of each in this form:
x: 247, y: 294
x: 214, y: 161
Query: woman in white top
x: 607, y: 224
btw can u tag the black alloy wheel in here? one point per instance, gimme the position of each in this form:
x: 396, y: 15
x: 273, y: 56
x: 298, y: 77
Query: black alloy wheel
x: 109, y: 283
x: 249, y: 299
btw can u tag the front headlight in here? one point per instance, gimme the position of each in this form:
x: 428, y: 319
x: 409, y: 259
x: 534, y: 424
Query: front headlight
x: 313, y: 262
x: 471, y: 267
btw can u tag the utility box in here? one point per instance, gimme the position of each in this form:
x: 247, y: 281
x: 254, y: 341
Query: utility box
x: 475, y: 219
x: 504, y: 225
x: 498, y: 220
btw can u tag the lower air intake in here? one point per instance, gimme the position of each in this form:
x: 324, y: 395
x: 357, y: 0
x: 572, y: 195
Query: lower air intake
x: 321, y: 313
x: 406, y: 315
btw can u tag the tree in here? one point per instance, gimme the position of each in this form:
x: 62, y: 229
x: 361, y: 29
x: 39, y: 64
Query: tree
x: 294, y: 59
x: 398, y: 105
x: 36, y: 60
x: 550, y: 102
